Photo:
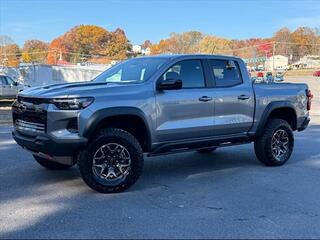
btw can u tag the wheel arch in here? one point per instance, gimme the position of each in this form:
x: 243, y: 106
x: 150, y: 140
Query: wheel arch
x: 280, y: 109
x: 118, y: 117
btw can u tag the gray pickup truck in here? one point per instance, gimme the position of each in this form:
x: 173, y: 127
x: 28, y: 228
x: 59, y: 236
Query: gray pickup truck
x: 157, y: 105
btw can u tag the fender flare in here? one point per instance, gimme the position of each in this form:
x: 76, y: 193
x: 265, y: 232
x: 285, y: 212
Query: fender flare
x: 101, y: 114
x: 268, y: 110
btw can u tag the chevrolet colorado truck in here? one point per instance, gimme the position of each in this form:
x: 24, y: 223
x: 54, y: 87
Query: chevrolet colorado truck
x: 157, y: 105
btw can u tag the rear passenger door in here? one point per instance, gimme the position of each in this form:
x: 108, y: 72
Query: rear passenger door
x: 234, y: 99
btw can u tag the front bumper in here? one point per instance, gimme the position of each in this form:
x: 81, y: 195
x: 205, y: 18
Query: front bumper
x: 46, y: 147
x: 304, y: 124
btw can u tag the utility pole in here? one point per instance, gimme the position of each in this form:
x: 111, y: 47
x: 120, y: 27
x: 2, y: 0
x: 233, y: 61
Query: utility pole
x: 60, y: 55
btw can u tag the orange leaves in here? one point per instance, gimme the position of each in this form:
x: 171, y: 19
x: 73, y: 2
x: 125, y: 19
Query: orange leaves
x: 118, y: 46
x: 56, y: 51
x: 35, y: 51
x: 86, y: 42
x: 10, y: 55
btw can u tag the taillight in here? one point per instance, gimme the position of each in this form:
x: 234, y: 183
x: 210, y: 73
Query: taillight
x: 309, y: 96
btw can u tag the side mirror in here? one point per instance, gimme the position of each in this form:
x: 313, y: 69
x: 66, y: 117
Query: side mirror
x: 170, y: 84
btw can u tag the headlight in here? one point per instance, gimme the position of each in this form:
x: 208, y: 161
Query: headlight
x: 72, y: 103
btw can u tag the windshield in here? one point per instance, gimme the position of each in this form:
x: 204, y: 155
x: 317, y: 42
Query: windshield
x: 131, y: 71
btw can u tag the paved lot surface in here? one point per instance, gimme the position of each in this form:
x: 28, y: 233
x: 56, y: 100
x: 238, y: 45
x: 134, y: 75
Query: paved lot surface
x: 227, y: 194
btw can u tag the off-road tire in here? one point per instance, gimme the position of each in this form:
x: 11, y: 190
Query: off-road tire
x: 111, y: 135
x: 262, y: 144
x: 51, y: 165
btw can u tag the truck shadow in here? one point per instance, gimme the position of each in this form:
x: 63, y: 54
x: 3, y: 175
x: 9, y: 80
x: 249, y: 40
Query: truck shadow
x: 62, y: 198
x: 162, y: 169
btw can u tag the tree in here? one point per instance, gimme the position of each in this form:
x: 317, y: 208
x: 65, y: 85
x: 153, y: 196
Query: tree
x: 303, y: 37
x: 251, y: 48
x: 118, y: 45
x: 35, y: 51
x: 87, y: 39
x: 146, y: 44
x: 84, y: 40
x: 282, y: 37
x: 214, y: 45
x: 10, y: 55
x: 56, y: 48
x: 187, y: 42
x: 9, y: 52
x: 5, y: 40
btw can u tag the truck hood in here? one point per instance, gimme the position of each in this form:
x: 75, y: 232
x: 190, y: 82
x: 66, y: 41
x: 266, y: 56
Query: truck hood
x: 68, y: 89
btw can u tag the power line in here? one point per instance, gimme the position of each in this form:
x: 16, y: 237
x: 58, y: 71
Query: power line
x: 104, y: 55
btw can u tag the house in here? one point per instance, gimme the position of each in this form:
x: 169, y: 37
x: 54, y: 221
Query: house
x: 136, y: 48
x: 146, y: 51
x: 310, y: 61
x: 276, y: 62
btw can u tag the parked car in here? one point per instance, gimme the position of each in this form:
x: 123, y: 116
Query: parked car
x: 259, y: 78
x: 316, y: 73
x: 8, y: 87
x: 269, y: 77
x: 157, y: 105
x: 278, y: 77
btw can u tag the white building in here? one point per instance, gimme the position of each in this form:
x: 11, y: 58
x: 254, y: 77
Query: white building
x: 146, y: 51
x: 310, y: 61
x: 276, y: 62
x: 136, y: 48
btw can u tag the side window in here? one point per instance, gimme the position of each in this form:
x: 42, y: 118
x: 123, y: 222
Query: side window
x: 9, y: 81
x: 189, y: 72
x: 3, y: 80
x: 226, y: 73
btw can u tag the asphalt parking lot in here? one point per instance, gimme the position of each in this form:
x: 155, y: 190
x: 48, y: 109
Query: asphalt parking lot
x: 226, y: 194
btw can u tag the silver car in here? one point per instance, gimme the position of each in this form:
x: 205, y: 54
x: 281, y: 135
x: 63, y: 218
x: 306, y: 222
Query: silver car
x: 8, y: 87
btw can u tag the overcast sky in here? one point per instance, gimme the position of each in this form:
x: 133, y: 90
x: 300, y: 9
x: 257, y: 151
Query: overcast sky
x: 155, y: 19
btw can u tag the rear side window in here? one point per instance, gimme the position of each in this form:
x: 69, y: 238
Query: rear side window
x: 189, y: 72
x: 226, y: 73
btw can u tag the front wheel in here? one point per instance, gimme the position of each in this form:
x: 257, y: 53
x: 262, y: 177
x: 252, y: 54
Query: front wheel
x: 113, y: 161
x: 274, y: 147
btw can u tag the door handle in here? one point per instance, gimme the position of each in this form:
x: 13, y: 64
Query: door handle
x: 205, y: 99
x: 243, y: 97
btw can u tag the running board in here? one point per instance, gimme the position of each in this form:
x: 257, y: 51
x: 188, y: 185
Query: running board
x: 171, y: 148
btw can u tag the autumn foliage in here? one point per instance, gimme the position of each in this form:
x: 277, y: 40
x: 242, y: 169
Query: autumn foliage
x: 86, y: 42
x: 35, y: 51
x: 295, y: 44
x: 90, y: 43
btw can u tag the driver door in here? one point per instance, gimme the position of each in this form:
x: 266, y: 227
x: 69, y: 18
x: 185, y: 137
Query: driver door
x: 11, y: 88
x: 185, y: 113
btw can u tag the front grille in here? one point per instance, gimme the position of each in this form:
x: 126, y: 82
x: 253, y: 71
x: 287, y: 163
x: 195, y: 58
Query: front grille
x: 30, y: 126
x: 30, y: 113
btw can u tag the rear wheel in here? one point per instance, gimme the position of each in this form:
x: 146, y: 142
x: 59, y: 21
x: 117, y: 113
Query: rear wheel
x: 113, y: 161
x: 275, y: 145
x: 51, y: 165
x: 206, y: 150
